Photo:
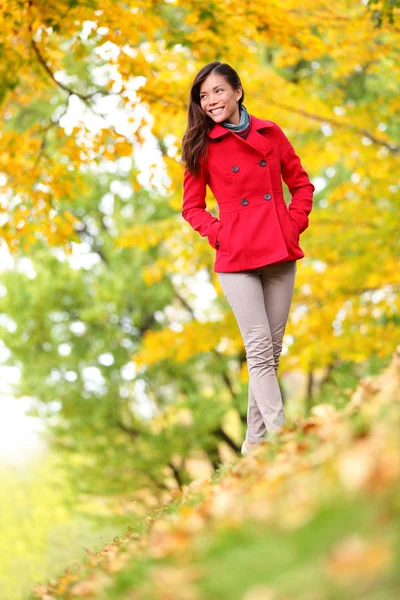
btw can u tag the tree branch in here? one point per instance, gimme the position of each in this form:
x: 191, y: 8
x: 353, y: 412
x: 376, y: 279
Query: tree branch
x: 65, y: 88
x: 391, y: 147
x: 220, y: 433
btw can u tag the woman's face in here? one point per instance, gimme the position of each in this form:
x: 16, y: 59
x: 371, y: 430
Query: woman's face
x: 219, y: 100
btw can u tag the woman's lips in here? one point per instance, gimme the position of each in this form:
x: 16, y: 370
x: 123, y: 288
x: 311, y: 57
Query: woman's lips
x: 217, y: 111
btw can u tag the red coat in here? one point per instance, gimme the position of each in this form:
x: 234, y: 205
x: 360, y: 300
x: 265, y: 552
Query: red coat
x: 255, y: 226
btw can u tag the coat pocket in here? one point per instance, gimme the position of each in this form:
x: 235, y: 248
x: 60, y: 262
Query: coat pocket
x: 223, y: 238
x: 289, y: 228
x: 295, y: 228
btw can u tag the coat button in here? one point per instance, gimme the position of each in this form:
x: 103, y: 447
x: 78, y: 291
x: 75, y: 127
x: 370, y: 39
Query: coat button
x: 267, y: 196
x: 235, y: 169
x: 244, y: 201
x: 262, y: 163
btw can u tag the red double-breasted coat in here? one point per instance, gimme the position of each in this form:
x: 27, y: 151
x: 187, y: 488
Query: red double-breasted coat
x: 255, y: 227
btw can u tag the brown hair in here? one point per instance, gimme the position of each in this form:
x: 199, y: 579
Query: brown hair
x: 194, y: 141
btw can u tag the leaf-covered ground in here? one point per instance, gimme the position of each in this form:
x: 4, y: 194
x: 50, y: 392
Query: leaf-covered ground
x: 314, y: 514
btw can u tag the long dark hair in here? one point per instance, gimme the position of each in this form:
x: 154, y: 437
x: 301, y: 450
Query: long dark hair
x: 194, y: 141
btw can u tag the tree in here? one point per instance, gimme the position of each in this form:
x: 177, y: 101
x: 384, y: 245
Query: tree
x: 74, y: 330
x: 326, y: 75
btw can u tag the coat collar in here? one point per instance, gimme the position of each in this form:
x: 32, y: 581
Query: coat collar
x: 254, y: 138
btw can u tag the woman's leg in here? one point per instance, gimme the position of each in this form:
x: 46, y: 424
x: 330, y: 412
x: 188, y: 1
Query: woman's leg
x: 248, y: 292
x: 278, y: 285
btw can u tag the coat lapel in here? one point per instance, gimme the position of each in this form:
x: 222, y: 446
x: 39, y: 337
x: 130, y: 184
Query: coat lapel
x: 254, y: 138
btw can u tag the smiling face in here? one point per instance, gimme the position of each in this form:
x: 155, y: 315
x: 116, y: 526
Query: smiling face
x: 219, y: 100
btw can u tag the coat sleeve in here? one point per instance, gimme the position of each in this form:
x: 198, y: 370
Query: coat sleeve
x: 298, y: 183
x: 194, y: 205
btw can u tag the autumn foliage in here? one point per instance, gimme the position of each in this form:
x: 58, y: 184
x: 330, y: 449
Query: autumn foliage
x: 315, y: 510
x: 327, y: 74
x: 93, y: 101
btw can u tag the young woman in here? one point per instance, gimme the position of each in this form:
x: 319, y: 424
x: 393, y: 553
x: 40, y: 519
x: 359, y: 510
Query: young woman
x: 243, y: 159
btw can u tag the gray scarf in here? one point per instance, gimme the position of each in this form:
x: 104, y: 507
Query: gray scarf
x: 243, y: 123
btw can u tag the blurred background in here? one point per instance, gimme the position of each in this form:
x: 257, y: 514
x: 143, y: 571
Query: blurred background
x: 122, y: 371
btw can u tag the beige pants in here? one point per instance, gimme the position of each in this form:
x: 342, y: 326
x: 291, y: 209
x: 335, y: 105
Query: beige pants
x: 260, y: 299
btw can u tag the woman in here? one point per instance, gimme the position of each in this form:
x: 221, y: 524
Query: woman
x: 243, y: 159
